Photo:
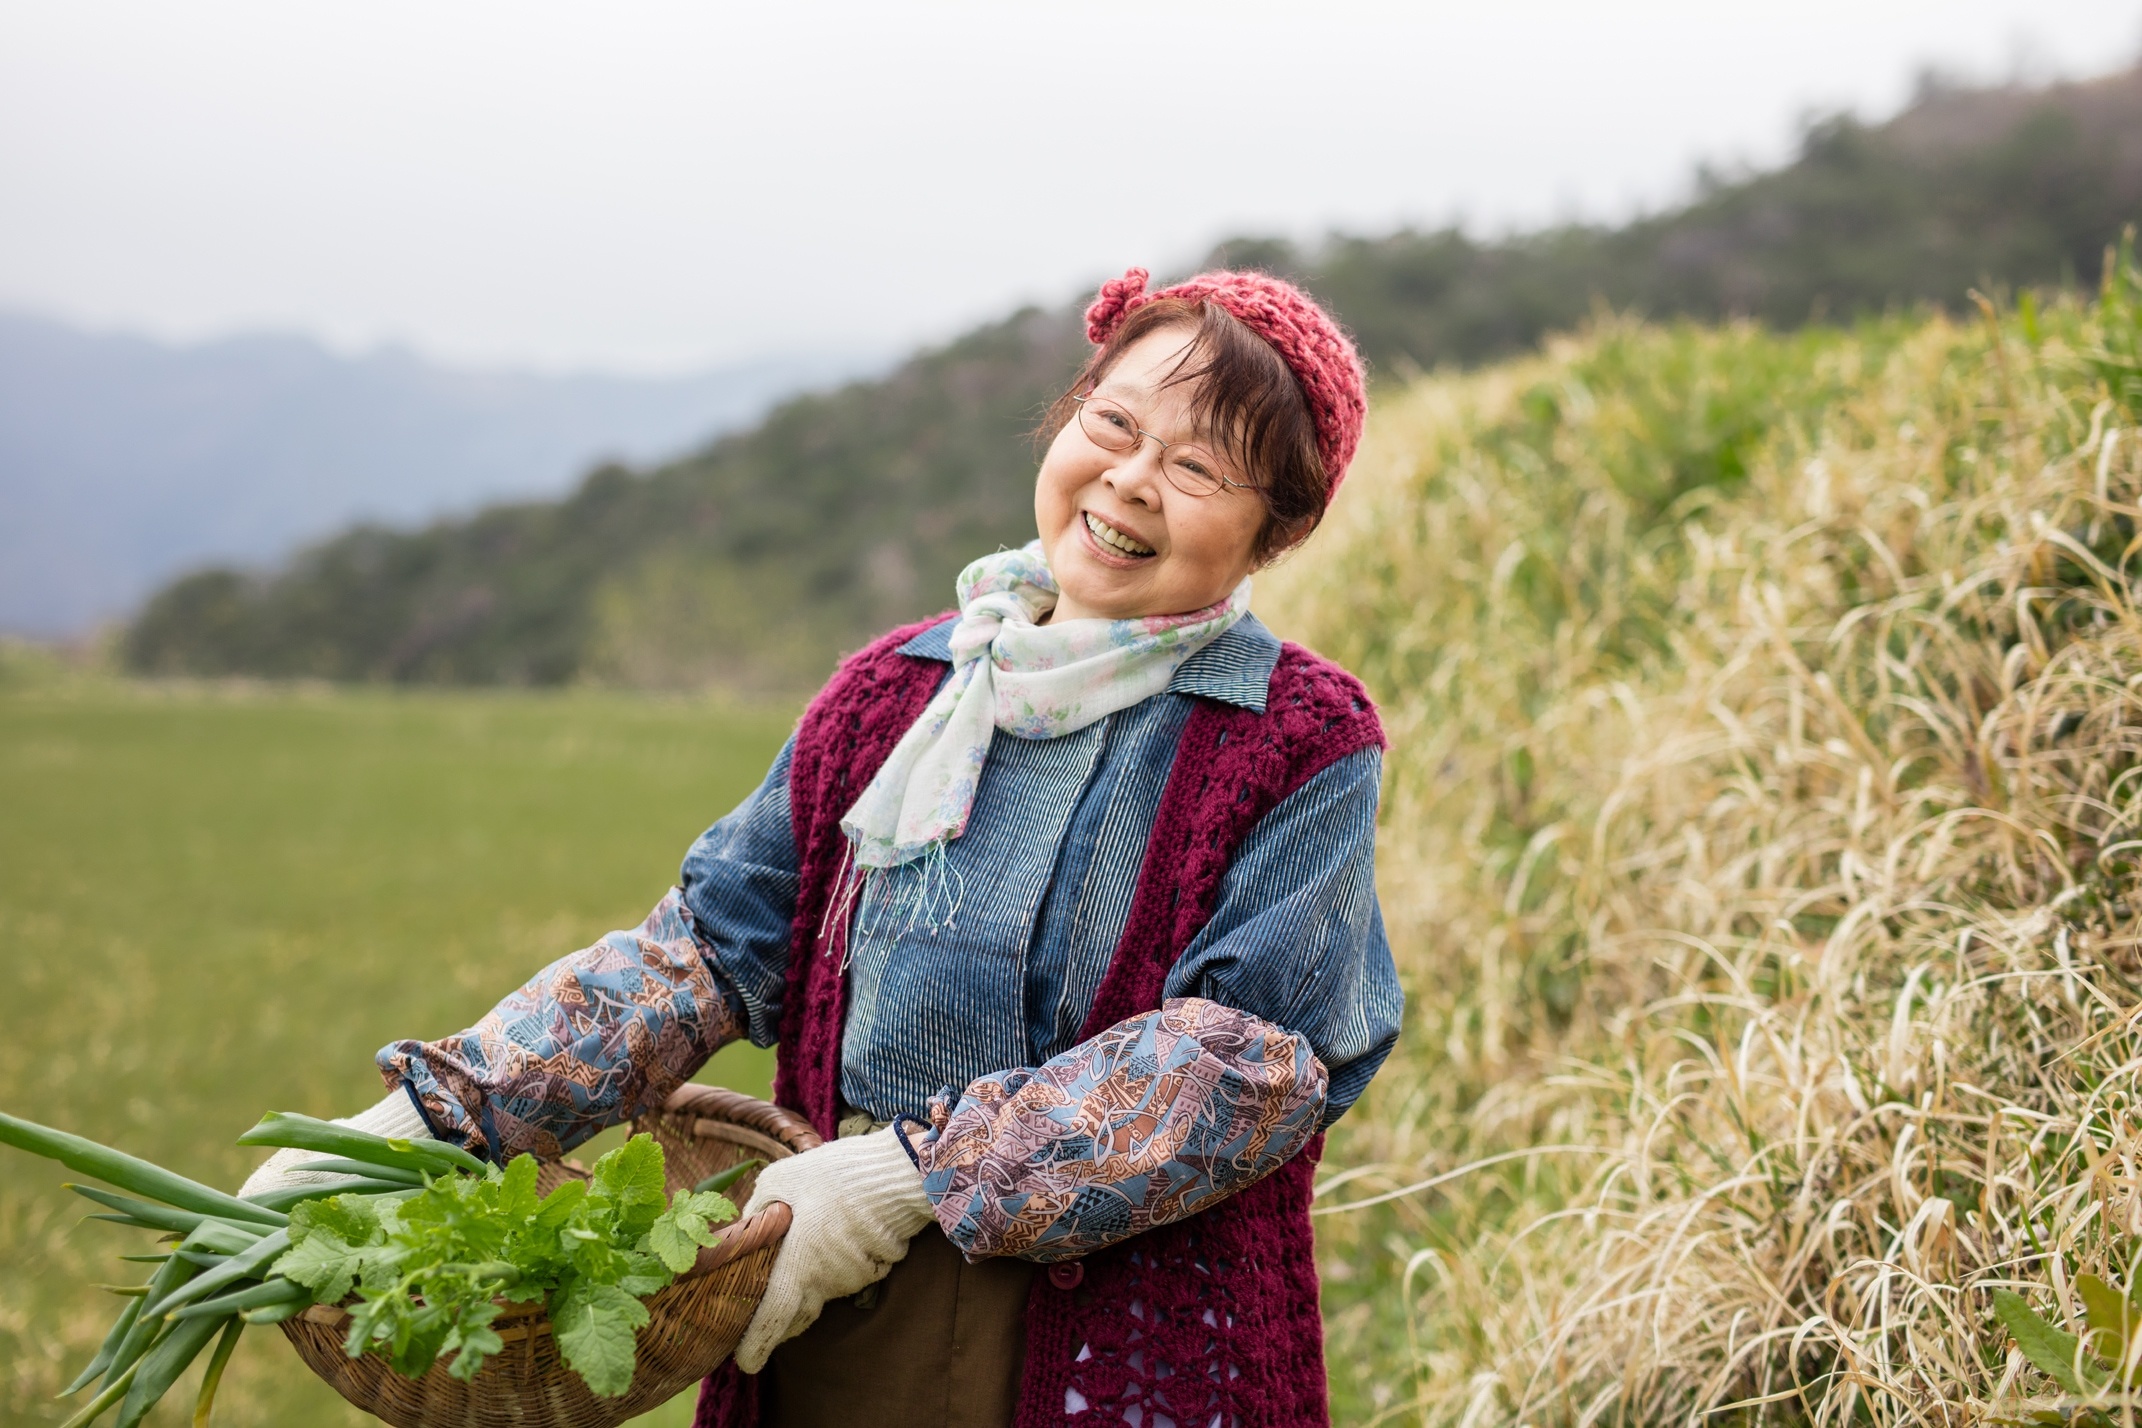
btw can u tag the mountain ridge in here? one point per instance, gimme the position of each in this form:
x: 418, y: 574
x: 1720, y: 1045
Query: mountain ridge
x: 125, y: 460
x: 753, y: 562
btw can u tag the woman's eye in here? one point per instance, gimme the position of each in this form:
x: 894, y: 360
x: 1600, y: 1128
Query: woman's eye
x: 1115, y: 419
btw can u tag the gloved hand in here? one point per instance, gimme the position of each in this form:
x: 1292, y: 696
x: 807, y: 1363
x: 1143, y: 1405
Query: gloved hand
x: 395, y: 1117
x: 855, y: 1205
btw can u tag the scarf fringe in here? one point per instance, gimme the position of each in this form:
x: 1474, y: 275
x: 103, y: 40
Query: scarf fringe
x: 879, y: 906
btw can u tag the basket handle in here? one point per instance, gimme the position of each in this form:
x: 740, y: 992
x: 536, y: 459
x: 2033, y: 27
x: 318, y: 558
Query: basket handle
x: 719, y: 1103
x: 763, y: 1229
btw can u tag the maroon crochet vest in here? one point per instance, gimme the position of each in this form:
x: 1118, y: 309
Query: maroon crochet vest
x: 1227, y: 1299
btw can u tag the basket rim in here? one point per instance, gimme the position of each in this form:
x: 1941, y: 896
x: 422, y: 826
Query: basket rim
x: 719, y: 1103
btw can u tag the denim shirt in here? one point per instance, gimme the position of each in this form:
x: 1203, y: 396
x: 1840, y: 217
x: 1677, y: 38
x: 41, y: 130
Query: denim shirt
x: 999, y: 970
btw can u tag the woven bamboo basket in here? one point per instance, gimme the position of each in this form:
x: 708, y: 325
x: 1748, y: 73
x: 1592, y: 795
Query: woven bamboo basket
x: 693, y: 1325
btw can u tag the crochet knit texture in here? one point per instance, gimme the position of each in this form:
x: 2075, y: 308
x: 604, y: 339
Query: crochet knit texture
x: 1314, y: 347
x: 1210, y: 1320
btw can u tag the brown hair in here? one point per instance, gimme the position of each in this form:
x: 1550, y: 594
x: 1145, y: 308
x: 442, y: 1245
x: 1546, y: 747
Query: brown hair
x: 1244, y: 394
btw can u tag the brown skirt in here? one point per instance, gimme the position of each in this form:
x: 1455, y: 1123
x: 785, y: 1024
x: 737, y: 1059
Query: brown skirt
x: 937, y: 1343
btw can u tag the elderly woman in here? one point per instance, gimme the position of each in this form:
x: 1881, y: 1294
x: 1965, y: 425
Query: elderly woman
x: 1061, y: 913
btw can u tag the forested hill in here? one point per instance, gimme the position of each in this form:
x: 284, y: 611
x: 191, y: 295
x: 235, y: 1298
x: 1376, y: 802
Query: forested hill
x: 753, y: 563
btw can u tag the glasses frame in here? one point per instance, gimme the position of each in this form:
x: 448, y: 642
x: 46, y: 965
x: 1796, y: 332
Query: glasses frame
x: 1139, y: 437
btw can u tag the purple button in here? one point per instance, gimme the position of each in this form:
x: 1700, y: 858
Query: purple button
x: 1069, y: 1274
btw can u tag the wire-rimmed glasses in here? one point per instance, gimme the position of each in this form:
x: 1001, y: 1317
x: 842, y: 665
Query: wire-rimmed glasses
x: 1190, y: 468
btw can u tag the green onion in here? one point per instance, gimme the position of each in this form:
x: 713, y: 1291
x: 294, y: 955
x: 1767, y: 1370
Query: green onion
x: 214, y: 1374
x: 259, y: 1296
x: 291, y: 1195
x: 370, y: 1170
x: 86, y: 1157
x: 723, y: 1179
x: 286, y: 1128
x: 163, y: 1217
x: 164, y: 1364
x: 248, y: 1264
x: 128, y: 1220
x: 94, y: 1409
x: 105, y: 1350
x: 124, y: 1291
x: 141, y: 1334
x: 275, y: 1313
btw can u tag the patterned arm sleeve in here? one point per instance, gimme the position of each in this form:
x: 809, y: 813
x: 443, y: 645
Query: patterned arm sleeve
x: 1156, y: 1118
x: 588, y: 1042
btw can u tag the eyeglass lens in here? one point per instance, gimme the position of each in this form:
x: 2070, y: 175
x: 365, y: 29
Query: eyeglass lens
x: 1190, y: 469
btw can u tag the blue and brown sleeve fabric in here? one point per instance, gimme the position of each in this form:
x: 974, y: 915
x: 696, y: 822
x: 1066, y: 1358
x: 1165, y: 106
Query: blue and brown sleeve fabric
x: 1151, y: 1121
x: 588, y: 1042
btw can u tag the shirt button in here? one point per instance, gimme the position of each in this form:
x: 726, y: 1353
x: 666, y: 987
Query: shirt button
x: 1068, y: 1274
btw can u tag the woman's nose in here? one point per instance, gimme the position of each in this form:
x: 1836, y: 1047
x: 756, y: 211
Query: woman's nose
x: 1136, y: 472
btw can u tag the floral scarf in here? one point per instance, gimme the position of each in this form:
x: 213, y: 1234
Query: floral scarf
x: 1033, y: 681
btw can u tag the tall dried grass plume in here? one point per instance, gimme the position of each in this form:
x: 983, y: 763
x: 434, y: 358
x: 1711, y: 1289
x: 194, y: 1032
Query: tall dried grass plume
x: 1763, y: 819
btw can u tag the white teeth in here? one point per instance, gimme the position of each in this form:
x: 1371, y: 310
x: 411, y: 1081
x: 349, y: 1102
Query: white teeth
x: 1109, y: 536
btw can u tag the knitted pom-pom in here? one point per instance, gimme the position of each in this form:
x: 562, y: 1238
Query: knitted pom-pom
x: 1117, y: 297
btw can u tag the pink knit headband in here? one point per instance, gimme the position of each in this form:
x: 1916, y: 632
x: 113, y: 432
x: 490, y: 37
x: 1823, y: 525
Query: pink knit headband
x: 1314, y: 347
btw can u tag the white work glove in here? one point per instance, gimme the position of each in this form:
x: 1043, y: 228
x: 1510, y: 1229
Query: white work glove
x: 395, y: 1117
x: 855, y: 1205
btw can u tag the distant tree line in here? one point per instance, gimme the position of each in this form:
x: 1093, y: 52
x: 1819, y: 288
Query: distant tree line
x: 753, y: 563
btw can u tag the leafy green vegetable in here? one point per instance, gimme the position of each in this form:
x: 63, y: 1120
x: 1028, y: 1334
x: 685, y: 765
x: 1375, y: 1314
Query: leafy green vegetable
x: 430, y: 1268
x: 676, y: 1237
x: 432, y: 1242
x: 595, y: 1324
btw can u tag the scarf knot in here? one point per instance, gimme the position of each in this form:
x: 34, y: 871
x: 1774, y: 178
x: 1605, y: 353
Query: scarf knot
x: 1031, y: 680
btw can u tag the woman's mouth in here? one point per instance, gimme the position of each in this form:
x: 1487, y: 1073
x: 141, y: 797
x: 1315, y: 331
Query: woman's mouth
x: 1113, y: 540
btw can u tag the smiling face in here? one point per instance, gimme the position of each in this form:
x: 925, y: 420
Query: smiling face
x: 1122, y: 541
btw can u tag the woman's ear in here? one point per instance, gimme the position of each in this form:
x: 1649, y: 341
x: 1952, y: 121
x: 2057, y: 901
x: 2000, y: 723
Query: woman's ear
x: 1289, y: 537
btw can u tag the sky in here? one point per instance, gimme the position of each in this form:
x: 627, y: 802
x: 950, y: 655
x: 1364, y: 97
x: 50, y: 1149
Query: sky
x: 652, y: 186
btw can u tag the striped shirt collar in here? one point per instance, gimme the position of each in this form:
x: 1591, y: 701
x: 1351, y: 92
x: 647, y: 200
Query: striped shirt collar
x: 1236, y: 668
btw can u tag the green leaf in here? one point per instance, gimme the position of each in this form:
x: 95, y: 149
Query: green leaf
x: 326, y: 1265
x: 515, y: 1192
x: 642, y: 1274
x: 711, y: 1206
x: 348, y: 1217
x: 558, y: 1206
x: 687, y: 1225
x: 472, y: 1341
x: 594, y: 1324
x: 475, y: 1346
x: 673, y: 1244
x: 630, y: 1178
x: 2109, y: 1314
x: 2054, y: 1351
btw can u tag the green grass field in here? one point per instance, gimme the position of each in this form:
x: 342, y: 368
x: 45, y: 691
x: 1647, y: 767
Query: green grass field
x: 216, y: 904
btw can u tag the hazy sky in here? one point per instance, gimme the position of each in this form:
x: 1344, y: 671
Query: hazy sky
x: 650, y: 185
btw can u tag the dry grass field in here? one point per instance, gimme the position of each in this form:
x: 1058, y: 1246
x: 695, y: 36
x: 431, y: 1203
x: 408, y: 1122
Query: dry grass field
x: 1761, y: 844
